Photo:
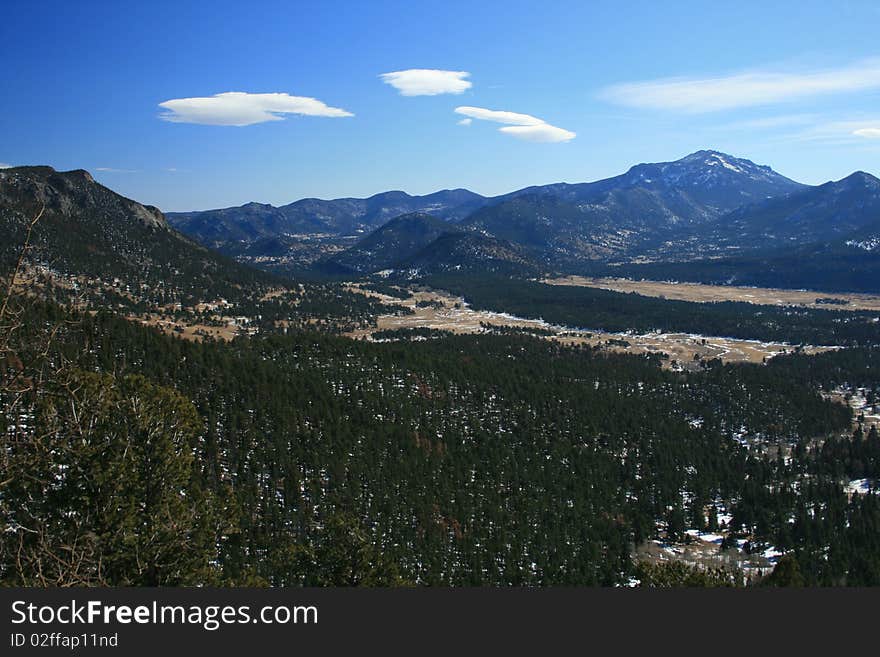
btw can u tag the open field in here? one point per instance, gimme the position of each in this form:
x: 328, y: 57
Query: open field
x: 226, y: 331
x: 712, y: 293
x: 450, y: 313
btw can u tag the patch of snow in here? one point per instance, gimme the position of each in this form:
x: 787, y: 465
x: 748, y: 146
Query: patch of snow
x: 869, y: 244
x: 728, y: 165
x: 771, y: 553
x: 860, y: 486
x: 705, y: 536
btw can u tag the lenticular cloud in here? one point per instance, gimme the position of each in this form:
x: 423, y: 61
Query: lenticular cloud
x: 521, y: 126
x: 238, y: 108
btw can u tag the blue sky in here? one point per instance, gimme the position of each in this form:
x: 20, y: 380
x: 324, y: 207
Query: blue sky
x: 580, y: 91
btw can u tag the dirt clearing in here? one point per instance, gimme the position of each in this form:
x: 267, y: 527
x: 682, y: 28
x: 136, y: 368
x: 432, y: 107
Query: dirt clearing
x: 713, y: 293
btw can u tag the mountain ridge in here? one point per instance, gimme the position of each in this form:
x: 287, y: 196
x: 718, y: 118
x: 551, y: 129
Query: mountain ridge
x: 342, y: 216
x: 563, y: 226
x: 826, y: 212
x: 612, y: 217
x: 91, y: 238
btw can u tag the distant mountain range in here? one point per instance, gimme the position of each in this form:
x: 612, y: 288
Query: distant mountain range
x: 344, y: 216
x: 557, y: 226
x: 706, y: 217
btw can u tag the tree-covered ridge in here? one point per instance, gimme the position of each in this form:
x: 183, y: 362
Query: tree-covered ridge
x: 480, y: 459
x: 94, y: 248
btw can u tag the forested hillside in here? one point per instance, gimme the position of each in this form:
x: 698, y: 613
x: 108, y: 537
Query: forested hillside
x: 493, y: 459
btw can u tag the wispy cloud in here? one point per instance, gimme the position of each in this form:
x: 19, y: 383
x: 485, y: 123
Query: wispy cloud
x: 115, y: 170
x: 465, y: 121
x: 3, y: 165
x: 427, y: 81
x: 238, y: 108
x: 521, y: 126
x: 770, y: 122
x: 840, y: 132
x: 751, y: 88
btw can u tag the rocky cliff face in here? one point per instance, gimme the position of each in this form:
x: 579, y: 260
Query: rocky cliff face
x: 91, y: 238
x: 69, y: 193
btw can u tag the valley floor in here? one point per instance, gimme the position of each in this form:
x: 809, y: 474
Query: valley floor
x: 714, y: 293
x: 450, y: 313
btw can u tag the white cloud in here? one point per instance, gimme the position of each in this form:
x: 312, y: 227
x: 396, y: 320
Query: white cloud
x: 694, y: 95
x: 3, y: 165
x: 465, y: 122
x: 869, y: 133
x: 427, y: 81
x: 499, y: 116
x: 521, y: 126
x: 114, y: 170
x: 238, y: 108
x: 543, y: 132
